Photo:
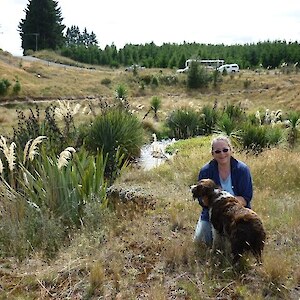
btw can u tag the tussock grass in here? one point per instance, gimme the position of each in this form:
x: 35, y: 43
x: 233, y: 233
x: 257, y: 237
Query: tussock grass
x: 277, y: 266
x: 277, y: 169
x: 129, y: 253
x: 97, y: 277
x: 152, y: 253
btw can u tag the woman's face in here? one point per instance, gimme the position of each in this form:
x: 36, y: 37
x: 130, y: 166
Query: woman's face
x: 221, y: 152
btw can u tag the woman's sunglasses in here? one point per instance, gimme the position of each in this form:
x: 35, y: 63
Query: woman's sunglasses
x: 223, y: 150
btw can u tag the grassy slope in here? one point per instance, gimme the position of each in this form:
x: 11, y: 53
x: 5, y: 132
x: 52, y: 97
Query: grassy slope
x: 149, y: 254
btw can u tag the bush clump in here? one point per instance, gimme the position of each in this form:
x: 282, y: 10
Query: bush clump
x: 17, y: 87
x: 184, y: 123
x: 115, y: 131
x: 4, y: 85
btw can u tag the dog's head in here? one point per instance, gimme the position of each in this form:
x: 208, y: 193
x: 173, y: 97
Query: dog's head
x: 205, y: 189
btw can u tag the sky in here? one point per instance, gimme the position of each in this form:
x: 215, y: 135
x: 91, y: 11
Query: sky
x: 166, y: 21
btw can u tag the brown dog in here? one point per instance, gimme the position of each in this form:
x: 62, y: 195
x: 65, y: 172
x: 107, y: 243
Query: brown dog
x: 240, y: 225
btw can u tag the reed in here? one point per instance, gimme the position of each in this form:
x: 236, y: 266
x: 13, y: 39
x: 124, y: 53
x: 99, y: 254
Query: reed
x: 65, y: 156
x: 31, y: 148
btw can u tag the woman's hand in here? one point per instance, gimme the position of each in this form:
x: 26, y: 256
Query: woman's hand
x: 241, y: 200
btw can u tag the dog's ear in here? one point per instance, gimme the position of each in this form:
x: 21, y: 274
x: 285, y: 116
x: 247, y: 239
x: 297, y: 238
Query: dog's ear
x: 194, y: 190
x: 210, y: 184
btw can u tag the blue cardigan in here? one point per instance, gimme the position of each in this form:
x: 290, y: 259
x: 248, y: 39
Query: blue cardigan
x: 241, y: 181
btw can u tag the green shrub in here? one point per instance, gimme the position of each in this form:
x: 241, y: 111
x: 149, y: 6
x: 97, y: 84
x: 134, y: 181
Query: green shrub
x: 198, y: 77
x: 121, y: 91
x: 63, y: 185
x: 17, y: 88
x: 54, y: 192
x: 155, y: 105
x: 183, y: 123
x: 275, y: 135
x: 254, y: 138
x: 113, y: 131
x: 216, y: 78
x: 121, y: 97
x: 59, y: 135
x: 146, y: 79
x: 4, y: 85
x: 209, y: 117
x: 235, y: 112
x: 154, y: 81
x: 106, y: 81
x: 27, y: 127
x: 226, y: 125
x: 293, y: 129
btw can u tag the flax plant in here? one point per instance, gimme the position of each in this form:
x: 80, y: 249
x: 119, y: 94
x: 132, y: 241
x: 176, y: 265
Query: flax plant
x: 62, y: 186
x: 293, y: 128
x: 228, y: 126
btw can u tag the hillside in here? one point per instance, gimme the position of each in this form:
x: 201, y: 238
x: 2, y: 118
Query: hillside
x: 143, y: 248
x: 273, y: 89
x: 44, y: 82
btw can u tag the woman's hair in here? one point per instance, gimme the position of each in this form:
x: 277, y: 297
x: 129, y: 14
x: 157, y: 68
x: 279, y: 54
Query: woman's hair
x: 223, y: 138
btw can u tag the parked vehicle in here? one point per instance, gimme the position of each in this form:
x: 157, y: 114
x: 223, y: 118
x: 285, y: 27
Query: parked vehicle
x: 182, y: 70
x: 229, y: 68
x: 134, y: 67
x: 211, y: 64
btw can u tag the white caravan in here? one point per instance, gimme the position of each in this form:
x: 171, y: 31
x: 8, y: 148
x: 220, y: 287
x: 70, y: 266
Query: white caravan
x: 229, y: 68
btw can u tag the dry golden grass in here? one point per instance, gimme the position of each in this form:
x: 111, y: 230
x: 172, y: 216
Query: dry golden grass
x: 97, y: 278
x: 150, y: 253
x: 39, y: 81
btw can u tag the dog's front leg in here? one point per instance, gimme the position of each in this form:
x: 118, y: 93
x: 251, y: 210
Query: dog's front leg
x: 217, y: 240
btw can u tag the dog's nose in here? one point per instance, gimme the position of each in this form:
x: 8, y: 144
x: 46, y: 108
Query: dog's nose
x: 192, y: 187
x: 193, y: 190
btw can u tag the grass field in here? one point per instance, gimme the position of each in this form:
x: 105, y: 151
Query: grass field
x: 146, y: 252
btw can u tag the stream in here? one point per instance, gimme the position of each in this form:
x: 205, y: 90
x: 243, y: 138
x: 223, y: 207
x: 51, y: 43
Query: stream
x: 153, y: 155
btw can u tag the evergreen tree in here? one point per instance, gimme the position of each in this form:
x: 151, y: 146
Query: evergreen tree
x: 197, y: 77
x: 73, y: 36
x: 42, y: 26
x: 93, y: 39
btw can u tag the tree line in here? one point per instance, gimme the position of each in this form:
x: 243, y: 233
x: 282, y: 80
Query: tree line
x: 43, y: 29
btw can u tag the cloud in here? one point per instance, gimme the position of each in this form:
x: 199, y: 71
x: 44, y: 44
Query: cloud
x: 165, y: 21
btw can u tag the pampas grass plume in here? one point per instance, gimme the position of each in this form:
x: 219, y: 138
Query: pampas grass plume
x: 9, y: 152
x: 33, y: 147
x: 64, y: 109
x: 4, y: 147
x: 1, y: 167
x: 30, y: 149
x: 65, y: 156
x: 26, y: 149
x: 12, y: 157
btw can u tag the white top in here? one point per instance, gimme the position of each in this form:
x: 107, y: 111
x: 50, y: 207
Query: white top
x: 227, y: 185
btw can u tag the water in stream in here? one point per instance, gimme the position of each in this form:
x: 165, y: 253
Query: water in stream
x: 153, y: 155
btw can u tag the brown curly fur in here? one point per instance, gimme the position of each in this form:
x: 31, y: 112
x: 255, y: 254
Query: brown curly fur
x: 240, y: 225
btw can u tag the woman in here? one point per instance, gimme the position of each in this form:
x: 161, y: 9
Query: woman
x: 229, y: 173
